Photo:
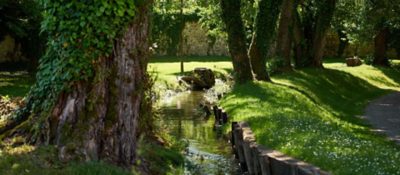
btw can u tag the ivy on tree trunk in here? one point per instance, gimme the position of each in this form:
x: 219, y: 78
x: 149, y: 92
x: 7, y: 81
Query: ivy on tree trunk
x: 265, y: 24
x: 95, y: 113
x: 236, y: 39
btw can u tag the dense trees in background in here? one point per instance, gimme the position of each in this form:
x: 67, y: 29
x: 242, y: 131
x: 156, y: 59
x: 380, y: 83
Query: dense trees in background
x: 384, y: 17
x: 91, y: 84
x: 21, y: 19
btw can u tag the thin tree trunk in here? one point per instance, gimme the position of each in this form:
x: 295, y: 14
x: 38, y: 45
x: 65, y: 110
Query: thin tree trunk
x: 343, y: 42
x: 284, y: 41
x: 381, y: 47
x: 236, y: 39
x: 324, y: 17
x: 181, y: 40
x: 298, y: 38
x: 98, y: 119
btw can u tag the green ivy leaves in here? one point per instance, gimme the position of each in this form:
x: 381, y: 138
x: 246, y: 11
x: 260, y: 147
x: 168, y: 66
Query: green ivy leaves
x: 79, y: 32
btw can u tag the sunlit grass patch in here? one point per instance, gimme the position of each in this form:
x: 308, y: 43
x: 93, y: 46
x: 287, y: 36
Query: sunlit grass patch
x: 168, y: 68
x: 15, y: 84
x: 311, y: 114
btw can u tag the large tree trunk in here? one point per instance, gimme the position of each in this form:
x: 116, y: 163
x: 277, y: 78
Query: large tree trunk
x: 324, y: 17
x: 98, y: 119
x: 284, y: 41
x: 236, y: 39
x: 265, y: 25
x: 381, y: 47
x: 343, y: 42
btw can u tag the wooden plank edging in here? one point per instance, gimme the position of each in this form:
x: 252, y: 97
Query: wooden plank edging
x: 261, y: 160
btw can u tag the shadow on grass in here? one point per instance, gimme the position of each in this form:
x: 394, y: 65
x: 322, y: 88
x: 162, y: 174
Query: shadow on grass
x: 344, y: 94
x: 391, y: 72
x: 175, y: 59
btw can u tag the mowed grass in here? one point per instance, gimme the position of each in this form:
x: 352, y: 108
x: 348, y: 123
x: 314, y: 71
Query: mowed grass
x: 313, y: 115
x: 166, y: 69
x: 15, y: 84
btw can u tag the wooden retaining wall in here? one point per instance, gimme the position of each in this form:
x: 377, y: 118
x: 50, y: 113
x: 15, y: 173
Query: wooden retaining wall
x: 256, y: 159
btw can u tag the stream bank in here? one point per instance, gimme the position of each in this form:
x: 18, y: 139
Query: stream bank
x: 207, y: 151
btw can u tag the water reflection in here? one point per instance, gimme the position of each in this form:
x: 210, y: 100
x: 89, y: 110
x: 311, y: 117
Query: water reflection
x: 208, y: 152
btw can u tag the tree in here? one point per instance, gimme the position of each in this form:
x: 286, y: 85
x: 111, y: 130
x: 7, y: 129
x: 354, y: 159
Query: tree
x: 284, y: 40
x: 384, y: 17
x: 312, y: 25
x: 349, y: 23
x: 236, y: 39
x: 91, y: 82
x: 265, y: 24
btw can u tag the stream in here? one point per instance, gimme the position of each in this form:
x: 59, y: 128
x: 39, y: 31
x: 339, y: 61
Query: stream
x: 208, y: 152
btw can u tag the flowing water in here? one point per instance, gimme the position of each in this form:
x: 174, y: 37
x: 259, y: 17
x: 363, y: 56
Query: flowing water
x: 207, y: 152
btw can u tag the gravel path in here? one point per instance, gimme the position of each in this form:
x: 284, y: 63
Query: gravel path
x: 384, y: 115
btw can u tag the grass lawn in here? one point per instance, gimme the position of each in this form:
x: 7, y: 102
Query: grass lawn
x: 312, y: 115
x: 15, y: 84
x: 167, y: 69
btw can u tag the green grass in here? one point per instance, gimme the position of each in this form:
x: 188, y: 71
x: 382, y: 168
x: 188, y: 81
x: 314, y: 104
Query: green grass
x: 167, y: 69
x: 15, y: 84
x: 30, y: 160
x: 312, y: 114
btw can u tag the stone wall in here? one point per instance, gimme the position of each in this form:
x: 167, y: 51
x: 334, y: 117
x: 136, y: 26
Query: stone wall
x: 195, y: 43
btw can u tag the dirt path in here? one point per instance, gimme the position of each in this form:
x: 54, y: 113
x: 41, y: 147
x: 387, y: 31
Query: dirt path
x: 384, y: 115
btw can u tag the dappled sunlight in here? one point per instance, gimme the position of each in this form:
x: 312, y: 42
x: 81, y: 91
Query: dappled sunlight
x: 340, y: 92
x: 168, y: 71
x: 385, y: 78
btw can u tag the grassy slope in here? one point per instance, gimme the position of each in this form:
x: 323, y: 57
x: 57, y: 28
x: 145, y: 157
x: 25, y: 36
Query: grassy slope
x: 311, y: 115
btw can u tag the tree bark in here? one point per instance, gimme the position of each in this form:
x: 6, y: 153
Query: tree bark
x: 380, y: 58
x: 284, y: 40
x: 324, y: 17
x: 298, y: 38
x: 98, y: 119
x: 236, y: 39
x: 265, y: 25
x: 343, y: 42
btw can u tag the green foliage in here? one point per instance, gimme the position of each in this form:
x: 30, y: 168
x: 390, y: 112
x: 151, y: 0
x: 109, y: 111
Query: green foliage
x: 265, y: 25
x: 79, y: 32
x: 168, y: 27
